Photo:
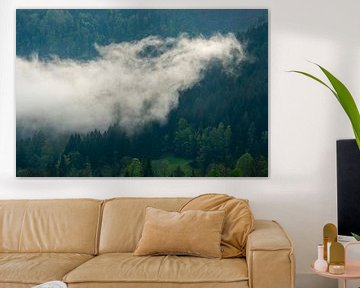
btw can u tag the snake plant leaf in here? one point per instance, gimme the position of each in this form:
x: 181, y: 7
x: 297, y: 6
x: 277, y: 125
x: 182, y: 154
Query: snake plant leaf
x: 357, y: 237
x: 344, y: 97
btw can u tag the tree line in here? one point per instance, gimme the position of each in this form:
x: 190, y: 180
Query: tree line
x: 113, y: 153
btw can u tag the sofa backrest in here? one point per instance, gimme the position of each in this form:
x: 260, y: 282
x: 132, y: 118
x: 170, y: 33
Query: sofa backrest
x: 123, y: 220
x: 67, y: 226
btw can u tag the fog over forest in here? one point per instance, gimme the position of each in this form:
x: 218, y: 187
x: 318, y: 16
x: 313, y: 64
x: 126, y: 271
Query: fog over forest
x: 130, y: 84
x: 141, y: 93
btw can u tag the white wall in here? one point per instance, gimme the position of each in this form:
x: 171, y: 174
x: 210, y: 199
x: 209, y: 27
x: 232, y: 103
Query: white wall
x: 305, y: 120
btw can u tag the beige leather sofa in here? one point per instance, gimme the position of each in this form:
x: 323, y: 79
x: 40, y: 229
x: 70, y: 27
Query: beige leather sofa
x: 89, y: 243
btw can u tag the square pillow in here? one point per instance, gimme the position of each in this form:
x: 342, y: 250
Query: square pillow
x: 193, y: 232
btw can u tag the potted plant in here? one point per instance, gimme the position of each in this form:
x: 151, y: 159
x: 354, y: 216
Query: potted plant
x: 345, y: 99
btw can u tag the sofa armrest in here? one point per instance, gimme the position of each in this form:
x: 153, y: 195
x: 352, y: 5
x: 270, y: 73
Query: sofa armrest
x: 269, y: 256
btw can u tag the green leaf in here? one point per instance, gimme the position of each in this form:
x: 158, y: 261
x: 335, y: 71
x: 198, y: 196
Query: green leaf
x: 344, y: 97
x: 357, y: 137
x: 314, y: 78
x: 347, y: 102
x: 356, y: 236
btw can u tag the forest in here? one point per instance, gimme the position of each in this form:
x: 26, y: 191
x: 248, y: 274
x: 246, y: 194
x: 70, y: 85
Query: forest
x: 218, y: 129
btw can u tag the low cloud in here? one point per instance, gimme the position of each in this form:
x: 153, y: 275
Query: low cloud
x: 129, y: 83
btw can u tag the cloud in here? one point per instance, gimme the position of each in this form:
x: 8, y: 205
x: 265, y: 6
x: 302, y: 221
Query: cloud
x: 129, y: 83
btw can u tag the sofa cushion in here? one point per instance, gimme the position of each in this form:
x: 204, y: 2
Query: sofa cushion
x: 237, y: 284
x: 126, y: 268
x: 15, y: 285
x: 239, y: 220
x: 194, y: 232
x: 123, y: 220
x: 36, y: 268
x: 63, y: 226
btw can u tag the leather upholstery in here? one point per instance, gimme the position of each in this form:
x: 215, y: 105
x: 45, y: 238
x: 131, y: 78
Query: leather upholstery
x: 125, y: 268
x: 36, y: 268
x: 72, y: 226
x: 269, y: 256
x: 15, y: 285
x: 64, y: 226
x: 239, y: 220
x: 242, y: 284
x: 123, y: 218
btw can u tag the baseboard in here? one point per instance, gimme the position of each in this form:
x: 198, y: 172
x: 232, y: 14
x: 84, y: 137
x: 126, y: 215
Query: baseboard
x: 310, y: 280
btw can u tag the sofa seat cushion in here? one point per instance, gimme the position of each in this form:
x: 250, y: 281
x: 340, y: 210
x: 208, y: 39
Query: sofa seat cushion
x: 125, y: 267
x: 15, y: 285
x: 36, y: 268
x: 242, y: 284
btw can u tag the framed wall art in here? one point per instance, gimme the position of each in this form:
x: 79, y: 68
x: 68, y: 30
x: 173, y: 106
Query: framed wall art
x: 142, y: 93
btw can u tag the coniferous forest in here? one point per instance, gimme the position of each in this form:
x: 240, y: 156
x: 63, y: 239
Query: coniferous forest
x: 142, y: 93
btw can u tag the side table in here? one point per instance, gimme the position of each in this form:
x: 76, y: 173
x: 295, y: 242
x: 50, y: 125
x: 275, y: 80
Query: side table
x: 352, y: 268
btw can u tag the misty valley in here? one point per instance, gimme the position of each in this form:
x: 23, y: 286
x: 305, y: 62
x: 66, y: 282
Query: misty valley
x: 142, y: 93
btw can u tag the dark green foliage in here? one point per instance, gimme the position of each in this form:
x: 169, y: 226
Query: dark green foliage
x: 219, y: 129
x: 186, y: 141
x: 216, y: 170
x: 148, y: 170
x: 72, y: 33
x: 134, y: 169
x: 245, y: 165
x: 104, y: 154
x: 214, y: 146
x: 178, y: 172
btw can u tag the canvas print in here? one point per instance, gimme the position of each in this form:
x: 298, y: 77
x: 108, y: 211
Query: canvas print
x: 141, y: 93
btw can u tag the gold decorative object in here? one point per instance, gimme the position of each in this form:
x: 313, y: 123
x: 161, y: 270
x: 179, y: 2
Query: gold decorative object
x: 337, y: 254
x: 337, y: 258
x: 330, y: 236
x: 336, y: 269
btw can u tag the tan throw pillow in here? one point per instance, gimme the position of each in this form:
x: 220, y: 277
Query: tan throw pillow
x: 196, y: 233
x: 239, y: 220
